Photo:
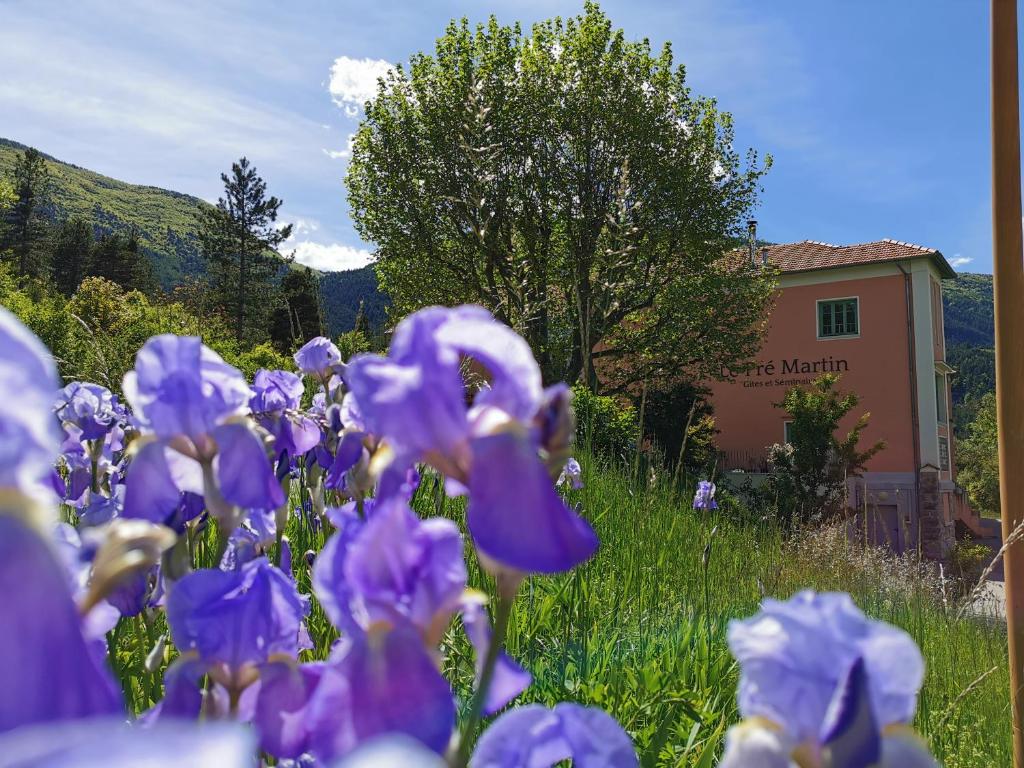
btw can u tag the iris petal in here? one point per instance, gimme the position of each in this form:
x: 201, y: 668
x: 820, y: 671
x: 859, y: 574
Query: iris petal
x: 48, y: 671
x: 531, y: 530
x: 243, y: 470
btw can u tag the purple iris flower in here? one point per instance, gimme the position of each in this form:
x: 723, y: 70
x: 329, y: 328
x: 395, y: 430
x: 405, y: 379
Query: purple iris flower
x: 534, y: 735
x: 90, y: 409
x: 180, y: 387
x: 318, y: 357
x: 375, y: 684
x: 395, y: 568
x: 191, y: 401
x: 705, y: 496
x: 276, y: 397
x: 49, y: 670
x: 415, y: 399
x: 823, y: 675
x: 28, y: 432
x: 236, y: 618
x: 572, y: 473
x: 111, y: 743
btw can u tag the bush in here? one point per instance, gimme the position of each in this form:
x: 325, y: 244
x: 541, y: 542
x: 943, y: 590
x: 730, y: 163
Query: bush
x: 262, y: 356
x: 978, y: 457
x: 666, y: 414
x: 969, y: 560
x: 608, y: 428
x: 808, y: 474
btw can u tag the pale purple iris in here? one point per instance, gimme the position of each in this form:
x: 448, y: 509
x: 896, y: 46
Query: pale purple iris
x: 28, y: 432
x: 236, y: 618
x: 49, y: 670
x: 111, y: 743
x: 384, y: 682
x: 318, y: 357
x: 415, y: 399
x: 276, y: 397
x: 90, y: 409
x: 395, y: 568
x: 391, y: 583
x: 534, y: 735
x: 192, y: 402
x: 182, y: 388
x: 820, y: 670
x: 704, y: 498
x: 572, y: 473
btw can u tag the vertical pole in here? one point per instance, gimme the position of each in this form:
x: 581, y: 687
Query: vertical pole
x: 1008, y: 275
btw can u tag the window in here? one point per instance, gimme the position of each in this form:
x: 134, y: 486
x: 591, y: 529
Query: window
x: 787, y: 432
x: 940, y: 398
x: 944, y: 454
x: 838, y: 317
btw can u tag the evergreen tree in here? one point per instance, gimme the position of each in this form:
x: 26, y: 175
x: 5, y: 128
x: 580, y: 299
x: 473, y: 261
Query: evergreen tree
x: 362, y: 322
x: 238, y: 239
x: 25, y: 229
x: 118, y: 258
x: 71, y: 253
x: 297, y: 318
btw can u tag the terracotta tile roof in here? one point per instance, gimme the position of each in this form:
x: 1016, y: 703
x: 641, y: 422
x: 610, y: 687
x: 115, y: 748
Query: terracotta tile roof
x: 811, y: 254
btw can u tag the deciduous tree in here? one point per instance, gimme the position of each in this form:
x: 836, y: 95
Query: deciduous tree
x: 570, y: 181
x: 978, y: 459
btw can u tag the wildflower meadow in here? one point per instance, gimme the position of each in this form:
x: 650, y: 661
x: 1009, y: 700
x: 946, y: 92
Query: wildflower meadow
x: 372, y: 564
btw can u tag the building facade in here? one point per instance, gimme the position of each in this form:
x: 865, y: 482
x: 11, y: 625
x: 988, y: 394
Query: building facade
x: 871, y: 313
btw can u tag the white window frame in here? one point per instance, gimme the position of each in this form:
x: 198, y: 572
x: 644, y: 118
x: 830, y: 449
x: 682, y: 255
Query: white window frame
x: 941, y: 396
x: 817, y: 318
x: 786, y: 424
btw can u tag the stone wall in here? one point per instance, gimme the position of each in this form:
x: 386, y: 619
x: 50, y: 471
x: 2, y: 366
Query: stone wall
x: 936, y: 527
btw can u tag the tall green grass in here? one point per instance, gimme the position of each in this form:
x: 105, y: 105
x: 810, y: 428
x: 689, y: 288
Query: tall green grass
x: 640, y: 629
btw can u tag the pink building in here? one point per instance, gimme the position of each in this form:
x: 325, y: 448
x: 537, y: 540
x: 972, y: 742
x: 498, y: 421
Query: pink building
x: 872, y: 313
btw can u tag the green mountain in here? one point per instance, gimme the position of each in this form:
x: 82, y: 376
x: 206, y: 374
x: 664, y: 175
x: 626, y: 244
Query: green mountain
x: 166, y: 223
x: 165, y: 220
x: 970, y: 342
x: 341, y: 293
x: 970, y: 317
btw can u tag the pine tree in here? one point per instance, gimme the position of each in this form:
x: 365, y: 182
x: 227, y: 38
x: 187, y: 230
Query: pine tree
x: 362, y: 322
x: 25, y: 229
x: 119, y: 258
x: 297, y: 317
x: 71, y: 253
x: 238, y: 239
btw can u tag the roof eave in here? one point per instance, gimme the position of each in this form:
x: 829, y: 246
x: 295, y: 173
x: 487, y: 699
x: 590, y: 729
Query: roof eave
x: 946, y: 271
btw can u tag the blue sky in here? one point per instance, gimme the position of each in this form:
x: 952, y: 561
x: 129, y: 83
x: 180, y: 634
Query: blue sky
x: 876, y: 112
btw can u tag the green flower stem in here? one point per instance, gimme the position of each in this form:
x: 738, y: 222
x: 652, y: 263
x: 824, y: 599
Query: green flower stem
x: 476, y: 710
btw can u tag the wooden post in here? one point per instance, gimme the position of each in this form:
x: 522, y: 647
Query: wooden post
x: 1008, y: 277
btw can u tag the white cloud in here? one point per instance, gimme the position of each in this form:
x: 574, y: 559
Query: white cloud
x: 341, y: 154
x: 354, y: 82
x: 960, y: 261
x: 331, y: 257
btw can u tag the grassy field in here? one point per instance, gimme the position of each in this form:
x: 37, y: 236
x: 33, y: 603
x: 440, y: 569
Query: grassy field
x: 640, y: 630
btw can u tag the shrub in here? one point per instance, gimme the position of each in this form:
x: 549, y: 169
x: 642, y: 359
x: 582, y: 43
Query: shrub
x: 609, y: 428
x: 808, y: 474
x: 668, y: 413
x: 978, y: 457
x: 262, y: 356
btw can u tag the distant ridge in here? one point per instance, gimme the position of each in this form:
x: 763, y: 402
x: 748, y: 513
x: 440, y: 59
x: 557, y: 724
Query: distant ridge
x: 167, y: 227
x: 165, y: 219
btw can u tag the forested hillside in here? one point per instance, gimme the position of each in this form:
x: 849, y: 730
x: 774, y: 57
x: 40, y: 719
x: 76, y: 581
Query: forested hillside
x: 164, y: 220
x: 970, y: 339
x: 167, y: 228
x: 341, y: 293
